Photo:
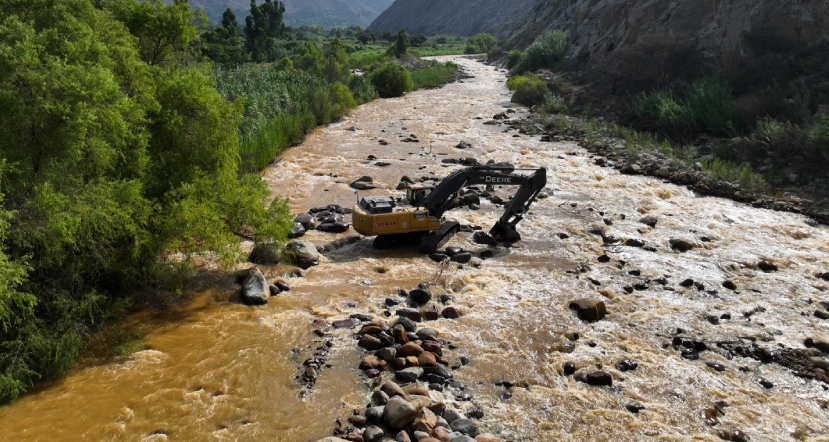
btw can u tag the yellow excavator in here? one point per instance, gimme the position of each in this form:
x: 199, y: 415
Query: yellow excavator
x: 418, y: 218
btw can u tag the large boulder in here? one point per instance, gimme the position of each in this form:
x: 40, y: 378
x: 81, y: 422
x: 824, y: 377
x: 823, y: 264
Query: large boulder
x: 255, y: 290
x: 398, y: 413
x: 305, y: 253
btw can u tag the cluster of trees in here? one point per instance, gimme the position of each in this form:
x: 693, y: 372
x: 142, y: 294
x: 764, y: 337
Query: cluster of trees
x: 119, y: 163
x: 124, y: 154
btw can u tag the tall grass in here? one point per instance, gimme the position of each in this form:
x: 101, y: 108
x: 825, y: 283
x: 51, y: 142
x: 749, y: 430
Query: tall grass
x: 280, y: 107
x: 741, y: 174
x: 441, y: 50
x: 260, y: 148
x: 436, y: 74
x: 368, y: 58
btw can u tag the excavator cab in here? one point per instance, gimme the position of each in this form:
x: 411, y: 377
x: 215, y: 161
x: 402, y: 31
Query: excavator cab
x: 416, y: 193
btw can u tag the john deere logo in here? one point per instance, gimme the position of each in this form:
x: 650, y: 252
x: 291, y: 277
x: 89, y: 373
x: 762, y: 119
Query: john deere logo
x: 499, y: 180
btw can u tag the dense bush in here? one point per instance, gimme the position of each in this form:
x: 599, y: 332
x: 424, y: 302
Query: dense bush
x: 392, y: 80
x: 528, y: 89
x: 332, y: 102
x: 545, y: 51
x: 480, y: 43
x: 362, y: 89
x: 708, y: 107
x: 514, y: 58
x: 553, y: 104
x: 783, y: 140
x: 659, y: 110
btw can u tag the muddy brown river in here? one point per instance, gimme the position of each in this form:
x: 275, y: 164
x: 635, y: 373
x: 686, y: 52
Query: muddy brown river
x: 216, y: 370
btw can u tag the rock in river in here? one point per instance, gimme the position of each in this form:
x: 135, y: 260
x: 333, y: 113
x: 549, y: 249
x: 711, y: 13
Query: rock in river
x: 305, y: 253
x: 255, y: 289
x: 680, y: 245
x: 596, y: 378
x: 588, y: 309
x: 465, y: 426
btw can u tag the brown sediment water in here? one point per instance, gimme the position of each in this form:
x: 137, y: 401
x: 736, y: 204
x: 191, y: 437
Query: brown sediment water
x: 219, y: 370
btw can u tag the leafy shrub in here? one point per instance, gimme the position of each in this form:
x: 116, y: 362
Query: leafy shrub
x: 514, y: 58
x: 391, y: 80
x: 711, y: 108
x: 661, y: 111
x: 361, y: 88
x: 546, y: 50
x: 480, y: 43
x: 782, y: 140
x: 727, y: 171
x: 553, y: 104
x: 708, y: 107
x: 528, y: 89
x: 818, y: 141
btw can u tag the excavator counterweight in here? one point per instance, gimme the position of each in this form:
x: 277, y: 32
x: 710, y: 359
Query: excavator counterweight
x: 417, y: 218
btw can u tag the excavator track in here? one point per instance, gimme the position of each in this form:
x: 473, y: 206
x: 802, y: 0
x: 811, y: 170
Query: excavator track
x: 434, y: 240
x: 388, y: 241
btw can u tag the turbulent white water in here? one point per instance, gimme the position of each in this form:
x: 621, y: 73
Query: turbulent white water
x: 218, y: 370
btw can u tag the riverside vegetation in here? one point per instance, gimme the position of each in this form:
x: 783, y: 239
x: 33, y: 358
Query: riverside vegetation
x: 130, y: 142
x: 720, y: 115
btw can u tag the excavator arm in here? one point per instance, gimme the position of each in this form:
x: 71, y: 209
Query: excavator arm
x: 439, y: 201
x: 419, y: 218
x: 504, y: 229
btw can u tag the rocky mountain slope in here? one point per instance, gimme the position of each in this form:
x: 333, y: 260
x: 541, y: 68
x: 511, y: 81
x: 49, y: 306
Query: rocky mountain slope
x: 333, y: 13
x: 327, y: 13
x: 467, y: 17
x: 596, y: 26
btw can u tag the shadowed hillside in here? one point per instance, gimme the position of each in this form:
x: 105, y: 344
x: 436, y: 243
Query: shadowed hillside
x: 327, y: 13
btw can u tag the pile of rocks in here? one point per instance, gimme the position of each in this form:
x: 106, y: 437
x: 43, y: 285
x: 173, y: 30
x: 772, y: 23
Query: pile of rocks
x: 312, y: 366
x: 330, y: 219
x: 412, y: 380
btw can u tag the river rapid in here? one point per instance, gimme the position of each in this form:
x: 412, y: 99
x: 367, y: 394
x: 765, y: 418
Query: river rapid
x: 216, y: 370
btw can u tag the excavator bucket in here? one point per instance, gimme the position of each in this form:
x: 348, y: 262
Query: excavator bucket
x: 505, y: 233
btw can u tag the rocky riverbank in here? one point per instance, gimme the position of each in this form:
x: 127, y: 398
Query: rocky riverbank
x: 609, y: 152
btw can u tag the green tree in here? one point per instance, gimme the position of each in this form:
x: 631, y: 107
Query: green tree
x: 400, y: 47
x: 262, y: 27
x: 164, y: 32
x: 221, y: 44
x: 336, y: 66
x: 418, y: 39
